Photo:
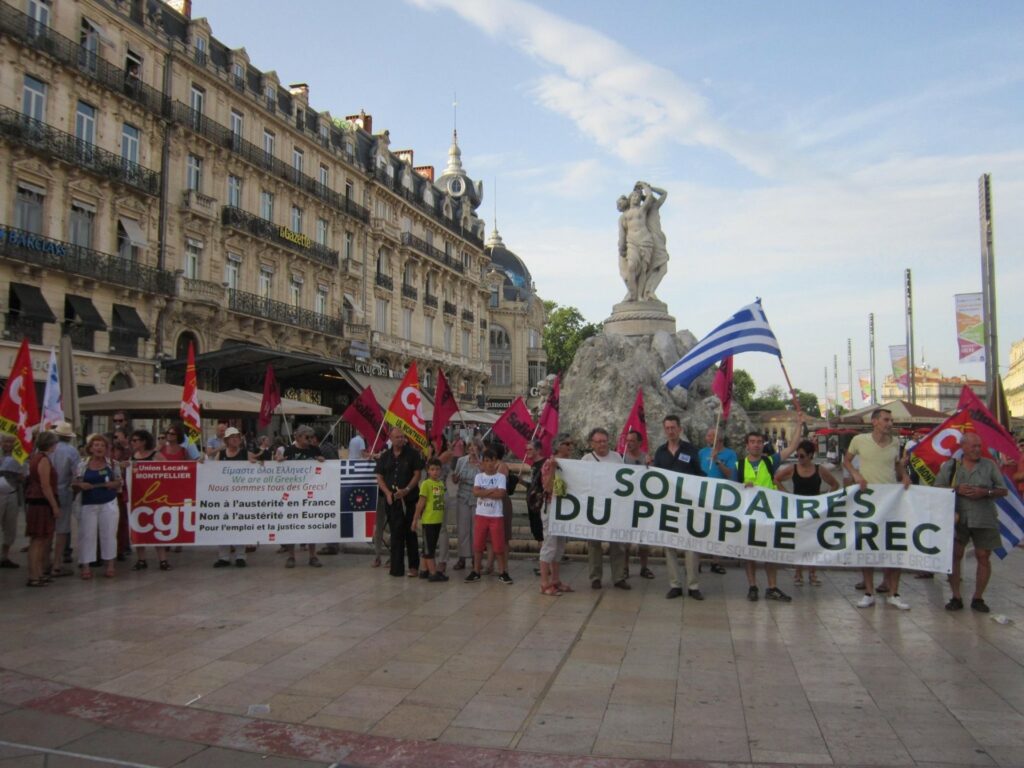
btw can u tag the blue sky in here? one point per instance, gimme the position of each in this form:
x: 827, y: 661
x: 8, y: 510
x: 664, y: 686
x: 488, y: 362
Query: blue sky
x: 811, y: 151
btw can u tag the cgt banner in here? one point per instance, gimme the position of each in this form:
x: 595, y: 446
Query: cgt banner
x: 228, y: 502
x: 884, y: 526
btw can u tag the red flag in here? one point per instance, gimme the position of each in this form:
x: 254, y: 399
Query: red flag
x: 993, y: 434
x: 406, y: 410
x: 366, y: 416
x: 722, y: 386
x: 943, y: 442
x: 515, y: 427
x: 549, y: 417
x: 445, y: 407
x: 637, y: 422
x: 189, y: 410
x: 271, y: 397
x: 19, y: 411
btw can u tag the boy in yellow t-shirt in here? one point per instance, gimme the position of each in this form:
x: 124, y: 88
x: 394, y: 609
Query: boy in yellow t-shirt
x: 430, y: 511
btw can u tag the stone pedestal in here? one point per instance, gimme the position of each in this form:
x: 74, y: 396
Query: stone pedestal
x: 640, y: 318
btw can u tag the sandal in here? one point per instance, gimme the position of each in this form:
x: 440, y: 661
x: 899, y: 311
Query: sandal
x: 814, y: 581
x: 563, y: 587
x: 140, y: 565
x: 35, y: 583
x: 551, y: 591
x: 375, y: 563
x: 86, y: 574
x: 165, y: 565
x: 646, y: 573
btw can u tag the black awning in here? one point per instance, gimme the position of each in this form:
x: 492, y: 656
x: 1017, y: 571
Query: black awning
x: 83, y: 309
x: 30, y: 303
x: 127, y: 320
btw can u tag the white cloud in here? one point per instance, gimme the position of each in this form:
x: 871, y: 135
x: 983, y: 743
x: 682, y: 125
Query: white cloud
x: 614, y: 96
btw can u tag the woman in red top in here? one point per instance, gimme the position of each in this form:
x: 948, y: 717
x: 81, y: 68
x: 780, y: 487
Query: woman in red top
x: 41, y: 507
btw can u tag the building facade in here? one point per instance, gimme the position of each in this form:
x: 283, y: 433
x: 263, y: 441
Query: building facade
x: 1013, y: 384
x: 157, y: 189
x: 932, y: 389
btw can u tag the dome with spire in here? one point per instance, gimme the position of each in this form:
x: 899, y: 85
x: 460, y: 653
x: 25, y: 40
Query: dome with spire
x: 518, y: 285
x: 455, y: 181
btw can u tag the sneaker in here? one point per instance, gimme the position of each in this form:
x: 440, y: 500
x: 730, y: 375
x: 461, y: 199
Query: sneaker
x: 955, y: 604
x: 473, y: 576
x: 314, y: 562
x: 240, y: 562
x: 289, y: 563
x: 673, y: 593
x: 898, y: 602
x: 504, y: 578
x: 979, y: 605
x: 222, y: 564
x: 774, y: 593
x: 866, y: 601
x: 752, y: 594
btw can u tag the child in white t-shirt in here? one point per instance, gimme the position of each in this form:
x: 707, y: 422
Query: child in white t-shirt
x: 488, y: 522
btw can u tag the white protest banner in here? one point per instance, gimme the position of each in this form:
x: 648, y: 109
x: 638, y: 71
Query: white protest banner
x: 229, y: 502
x: 884, y: 526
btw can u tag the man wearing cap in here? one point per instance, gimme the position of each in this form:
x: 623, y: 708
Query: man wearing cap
x: 233, y: 450
x: 65, y: 460
x: 976, y: 481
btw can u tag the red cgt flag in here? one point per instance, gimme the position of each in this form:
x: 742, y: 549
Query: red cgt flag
x: 722, y: 386
x: 637, y: 422
x: 271, y: 397
x: 189, y: 410
x: 549, y: 416
x: 406, y: 410
x: 515, y: 427
x: 445, y: 407
x: 19, y: 411
x: 365, y: 415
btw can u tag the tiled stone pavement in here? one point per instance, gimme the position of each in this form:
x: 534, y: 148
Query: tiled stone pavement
x: 360, y: 668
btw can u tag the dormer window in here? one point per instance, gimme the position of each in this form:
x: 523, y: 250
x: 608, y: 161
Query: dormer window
x: 270, y: 92
x: 238, y: 76
x: 200, y: 51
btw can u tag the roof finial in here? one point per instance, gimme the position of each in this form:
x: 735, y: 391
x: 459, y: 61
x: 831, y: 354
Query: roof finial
x: 455, y: 117
x: 495, y: 203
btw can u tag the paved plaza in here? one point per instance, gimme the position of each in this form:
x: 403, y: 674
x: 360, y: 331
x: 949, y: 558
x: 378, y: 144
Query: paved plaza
x: 347, y: 665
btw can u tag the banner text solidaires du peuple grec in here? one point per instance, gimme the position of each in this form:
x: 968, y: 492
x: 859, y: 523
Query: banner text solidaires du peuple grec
x: 883, y: 526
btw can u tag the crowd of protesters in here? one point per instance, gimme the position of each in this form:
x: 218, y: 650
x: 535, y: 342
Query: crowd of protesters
x: 68, y: 479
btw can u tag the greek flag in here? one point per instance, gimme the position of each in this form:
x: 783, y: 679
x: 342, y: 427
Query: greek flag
x: 746, y: 331
x: 1011, y: 520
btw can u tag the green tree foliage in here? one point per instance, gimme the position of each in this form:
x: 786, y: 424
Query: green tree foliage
x: 743, y: 388
x: 564, y: 331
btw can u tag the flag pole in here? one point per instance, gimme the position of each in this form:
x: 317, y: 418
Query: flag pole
x: 792, y: 392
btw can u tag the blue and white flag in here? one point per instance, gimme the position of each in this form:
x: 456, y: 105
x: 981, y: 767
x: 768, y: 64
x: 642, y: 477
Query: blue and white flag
x: 746, y: 331
x: 53, y: 410
x: 1011, y: 520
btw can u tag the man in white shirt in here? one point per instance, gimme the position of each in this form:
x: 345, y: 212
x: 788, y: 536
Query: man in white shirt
x: 600, y: 450
x: 356, y: 448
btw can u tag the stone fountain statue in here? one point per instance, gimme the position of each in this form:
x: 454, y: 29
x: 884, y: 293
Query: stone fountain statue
x: 643, y: 261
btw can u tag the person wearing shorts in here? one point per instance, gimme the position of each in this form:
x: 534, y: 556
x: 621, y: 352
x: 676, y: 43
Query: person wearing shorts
x: 552, y: 548
x: 488, y: 522
x: 977, y: 482
x: 430, y: 513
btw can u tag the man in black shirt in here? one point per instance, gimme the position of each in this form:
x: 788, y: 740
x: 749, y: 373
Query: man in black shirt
x: 678, y: 455
x: 302, y: 449
x: 398, y: 477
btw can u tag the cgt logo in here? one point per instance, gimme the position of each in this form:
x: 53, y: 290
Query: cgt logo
x: 413, y: 402
x: 947, y: 441
x: 166, y: 524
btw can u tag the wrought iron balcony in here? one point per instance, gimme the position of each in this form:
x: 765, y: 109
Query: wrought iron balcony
x: 279, y: 312
x: 18, y: 325
x: 124, y: 344
x: 410, y: 240
x: 40, y: 137
x: 467, y: 315
x: 384, y: 281
x: 449, y: 308
x: 42, y: 38
x: 430, y: 301
x: 224, y: 137
x: 105, y: 268
x: 409, y: 292
x: 278, y: 235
